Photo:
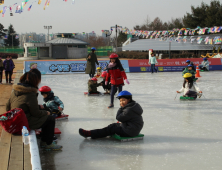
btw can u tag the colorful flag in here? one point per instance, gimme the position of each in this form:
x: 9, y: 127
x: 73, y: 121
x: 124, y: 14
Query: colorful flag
x: 40, y: 1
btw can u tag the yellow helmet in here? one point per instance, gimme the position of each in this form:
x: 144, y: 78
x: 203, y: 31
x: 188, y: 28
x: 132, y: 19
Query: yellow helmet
x: 98, y: 68
x: 187, y: 75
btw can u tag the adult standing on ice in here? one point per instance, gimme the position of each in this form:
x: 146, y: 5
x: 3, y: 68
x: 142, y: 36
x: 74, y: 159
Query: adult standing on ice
x: 116, y: 74
x: 91, y: 60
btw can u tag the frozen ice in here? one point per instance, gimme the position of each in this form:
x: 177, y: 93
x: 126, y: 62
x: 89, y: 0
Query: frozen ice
x: 179, y: 135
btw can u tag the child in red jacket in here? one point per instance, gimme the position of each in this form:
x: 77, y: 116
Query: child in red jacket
x: 116, y: 74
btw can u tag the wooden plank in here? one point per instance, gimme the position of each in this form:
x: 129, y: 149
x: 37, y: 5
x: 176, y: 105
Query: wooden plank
x: 16, y: 155
x: 27, y: 158
x: 4, y: 150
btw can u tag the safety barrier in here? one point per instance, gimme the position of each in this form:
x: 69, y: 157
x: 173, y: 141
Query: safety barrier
x: 164, y: 65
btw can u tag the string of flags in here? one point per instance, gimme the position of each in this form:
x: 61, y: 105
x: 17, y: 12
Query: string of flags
x: 20, y: 7
x: 179, y: 35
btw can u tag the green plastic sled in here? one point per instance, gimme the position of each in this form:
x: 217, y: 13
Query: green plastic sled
x: 124, y: 139
x: 186, y: 98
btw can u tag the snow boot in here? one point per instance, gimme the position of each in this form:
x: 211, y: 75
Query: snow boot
x: 84, y: 133
x: 53, y: 147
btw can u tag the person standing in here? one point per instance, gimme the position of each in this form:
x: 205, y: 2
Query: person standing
x: 91, y: 60
x: 13, y: 64
x: 1, y: 69
x: 8, y: 66
x: 153, y: 62
x: 116, y: 74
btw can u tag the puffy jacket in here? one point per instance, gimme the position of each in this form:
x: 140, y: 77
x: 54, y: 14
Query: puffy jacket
x: 52, y: 102
x: 131, y: 118
x: 93, y: 87
x: 117, y: 75
x: 8, y: 65
x: 189, y: 71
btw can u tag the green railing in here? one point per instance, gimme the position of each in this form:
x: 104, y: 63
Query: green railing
x: 32, y: 51
x: 102, y: 51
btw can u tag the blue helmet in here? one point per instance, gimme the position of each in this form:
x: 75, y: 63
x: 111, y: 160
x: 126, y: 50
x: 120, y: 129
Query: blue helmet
x: 190, y: 65
x: 124, y: 94
x: 93, y: 48
x: 188, y: 61
x: 205, y: 58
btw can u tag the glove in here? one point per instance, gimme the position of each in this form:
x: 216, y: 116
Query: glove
x: 127, y: 81
x: 106, y: 82
x: 60, y: 109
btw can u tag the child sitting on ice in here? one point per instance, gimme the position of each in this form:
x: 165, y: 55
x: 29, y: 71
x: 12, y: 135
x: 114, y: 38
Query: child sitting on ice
x: 190, y: 70
x: 129, y: 115
x: 98, y: 72
x: 92, y: 86
x: 51, y: 103
x: 205, y: 65
x: 107, y: 87
x: 189, y: 87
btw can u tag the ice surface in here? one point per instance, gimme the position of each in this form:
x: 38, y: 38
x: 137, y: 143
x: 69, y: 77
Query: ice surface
x: 179, y: 135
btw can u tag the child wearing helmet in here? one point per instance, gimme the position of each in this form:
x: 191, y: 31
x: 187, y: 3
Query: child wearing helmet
x: 116, y: 74
x: 188, y: 62
x: 98, y: 72
x: 204, y: 65
x: 129, y: 117
x: 190, y: 70
x: 92, y: 86
x: 190, y: 88
x: 51, y: 103
x: 107, y: 87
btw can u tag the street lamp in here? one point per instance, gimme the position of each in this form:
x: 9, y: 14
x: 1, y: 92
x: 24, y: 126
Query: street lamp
x: 111, y: 29
x: 12, y: 38
x: 48, y: 27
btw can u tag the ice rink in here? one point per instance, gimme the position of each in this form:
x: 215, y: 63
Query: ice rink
x: 179, y: 135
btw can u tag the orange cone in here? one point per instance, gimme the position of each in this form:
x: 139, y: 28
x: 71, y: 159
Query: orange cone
x: 197, y: 72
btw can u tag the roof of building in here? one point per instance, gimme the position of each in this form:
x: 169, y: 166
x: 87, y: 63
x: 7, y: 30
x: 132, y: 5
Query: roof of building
x: 157, y: 45
x: 67, y: 41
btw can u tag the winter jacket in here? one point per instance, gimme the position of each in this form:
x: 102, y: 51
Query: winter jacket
x: 153, y: 60
x: 90, y: 66
x: 8, y: 65
x: 116, y: 74
x: 13, y: 63
x: 92, y: 88
x: 106, y: 87
x: 25, y: 97
x: 205, y: 64
x: 131, y: 118
x: 189, y: 71
x: 52, y: 103
x: 194, y: 88
x: 1, y: 66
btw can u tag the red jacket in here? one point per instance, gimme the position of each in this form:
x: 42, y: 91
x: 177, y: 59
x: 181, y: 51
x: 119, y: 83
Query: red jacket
x: 116, y: 74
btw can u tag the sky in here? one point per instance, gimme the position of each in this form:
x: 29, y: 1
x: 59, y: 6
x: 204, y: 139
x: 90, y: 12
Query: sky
x: 92, y: 15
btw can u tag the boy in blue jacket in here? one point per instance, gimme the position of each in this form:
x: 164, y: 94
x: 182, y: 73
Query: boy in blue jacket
x: 129, y: 116
x: 51, y: 103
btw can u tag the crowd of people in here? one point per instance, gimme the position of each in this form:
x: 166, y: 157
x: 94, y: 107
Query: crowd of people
x: 129, y: 116
x: 8, y: 66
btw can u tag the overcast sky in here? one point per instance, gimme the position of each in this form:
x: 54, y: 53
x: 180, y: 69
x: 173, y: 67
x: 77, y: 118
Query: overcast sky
x: 93, y: 15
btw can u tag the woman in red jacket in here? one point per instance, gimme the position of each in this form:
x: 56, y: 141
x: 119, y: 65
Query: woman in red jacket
x: 117, y: 75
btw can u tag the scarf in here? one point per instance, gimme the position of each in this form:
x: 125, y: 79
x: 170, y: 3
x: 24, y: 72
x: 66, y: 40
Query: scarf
x: 111, y: 65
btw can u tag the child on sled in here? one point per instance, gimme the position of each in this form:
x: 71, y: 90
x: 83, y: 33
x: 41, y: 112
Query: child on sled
x: 51, y: 103
x: 129, y: 117
x: 190, y: 88
x: 189, y: 69
x: 92, y: 86
x: 107, y: 87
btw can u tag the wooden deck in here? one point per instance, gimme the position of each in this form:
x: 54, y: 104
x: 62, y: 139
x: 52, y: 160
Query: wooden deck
x: 13, y: 154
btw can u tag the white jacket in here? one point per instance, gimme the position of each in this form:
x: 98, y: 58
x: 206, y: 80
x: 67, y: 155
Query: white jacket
x: 193, y: 88
x: 205, y: 64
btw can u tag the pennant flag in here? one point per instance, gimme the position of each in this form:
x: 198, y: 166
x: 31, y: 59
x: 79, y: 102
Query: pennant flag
x: 40, y: 1
x: 30, y: 8
x: 63, y: 35
x: 46, y: 2
x: 18, y: 9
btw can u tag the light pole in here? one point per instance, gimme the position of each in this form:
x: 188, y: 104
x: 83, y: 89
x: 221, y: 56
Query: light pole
x: 48, y: 27
x: 111, y: 29
x: 12, y: 38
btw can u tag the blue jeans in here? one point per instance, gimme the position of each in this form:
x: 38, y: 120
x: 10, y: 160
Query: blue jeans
x: 114, y: 90
x: 153, y: 68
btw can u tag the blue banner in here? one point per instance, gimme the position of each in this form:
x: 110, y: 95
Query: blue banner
x: 61, y: 67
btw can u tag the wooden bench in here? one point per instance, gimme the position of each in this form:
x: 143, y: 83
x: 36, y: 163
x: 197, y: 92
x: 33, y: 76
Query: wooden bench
x: 14, y: 155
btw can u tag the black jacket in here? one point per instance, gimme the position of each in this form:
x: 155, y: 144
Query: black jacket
x: 131, y: 119
x: 106, y: 87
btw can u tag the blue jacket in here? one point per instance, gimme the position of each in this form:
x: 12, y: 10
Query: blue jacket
x: 8, y: 65
x: 52, y: 102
